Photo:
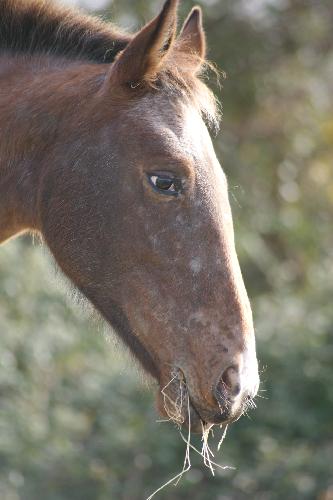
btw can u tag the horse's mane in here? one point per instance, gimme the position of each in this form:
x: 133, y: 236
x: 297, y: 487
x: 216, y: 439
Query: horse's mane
x: 42, y: 27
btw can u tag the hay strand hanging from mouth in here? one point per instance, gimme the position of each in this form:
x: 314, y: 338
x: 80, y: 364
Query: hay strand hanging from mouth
x: 223, y: 436
x: 187, y: 461
x: 174, y: 408
x: 175, y: 415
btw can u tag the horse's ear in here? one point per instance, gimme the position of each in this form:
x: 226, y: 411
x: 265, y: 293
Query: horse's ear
x: 143, y: 56
x: 192, y: 36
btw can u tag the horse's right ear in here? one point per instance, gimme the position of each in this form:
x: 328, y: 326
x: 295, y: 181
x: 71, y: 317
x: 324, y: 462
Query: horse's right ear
x: 192, y: 38
x: 143, y: 56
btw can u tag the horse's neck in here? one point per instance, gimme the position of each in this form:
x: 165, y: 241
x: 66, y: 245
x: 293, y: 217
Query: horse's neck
x: 16, y: 193
x: 17, y: 199
x: 30, y: 121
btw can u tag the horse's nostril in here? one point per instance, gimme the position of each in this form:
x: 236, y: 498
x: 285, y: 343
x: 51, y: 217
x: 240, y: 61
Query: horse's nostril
x: 230, y: 381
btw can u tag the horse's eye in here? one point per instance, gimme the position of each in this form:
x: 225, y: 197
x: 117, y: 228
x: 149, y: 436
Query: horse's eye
x: 165, y: 183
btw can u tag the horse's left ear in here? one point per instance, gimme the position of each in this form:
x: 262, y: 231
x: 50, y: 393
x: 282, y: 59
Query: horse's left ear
x: 192, y: 36
x: 143, y: 56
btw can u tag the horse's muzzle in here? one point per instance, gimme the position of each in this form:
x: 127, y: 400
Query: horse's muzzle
x: 224, y: 404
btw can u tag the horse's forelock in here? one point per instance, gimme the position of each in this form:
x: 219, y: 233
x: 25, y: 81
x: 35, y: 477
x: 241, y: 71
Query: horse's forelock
x: 178, y: 78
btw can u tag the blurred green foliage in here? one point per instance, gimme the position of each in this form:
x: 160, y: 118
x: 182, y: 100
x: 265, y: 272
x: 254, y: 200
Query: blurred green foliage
x: 76, y: 420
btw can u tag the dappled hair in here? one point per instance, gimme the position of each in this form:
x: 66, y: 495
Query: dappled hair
x: 42, y: 27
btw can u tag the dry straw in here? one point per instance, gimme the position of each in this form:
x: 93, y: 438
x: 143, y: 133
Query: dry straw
x: 174, y: 410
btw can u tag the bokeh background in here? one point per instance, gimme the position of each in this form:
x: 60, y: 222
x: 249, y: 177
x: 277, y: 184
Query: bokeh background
x: 77, y: 419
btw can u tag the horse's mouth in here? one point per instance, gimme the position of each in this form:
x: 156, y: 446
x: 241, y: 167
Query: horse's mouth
x: 198, y: 419
x: 175, y: 403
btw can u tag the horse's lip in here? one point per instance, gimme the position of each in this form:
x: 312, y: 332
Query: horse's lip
x: 198, y: 423
x: 204, y: 417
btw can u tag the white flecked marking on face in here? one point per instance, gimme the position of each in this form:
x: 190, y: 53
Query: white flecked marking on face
x: 198, y: 317
x: 179, y: 219
x: 195, y: 265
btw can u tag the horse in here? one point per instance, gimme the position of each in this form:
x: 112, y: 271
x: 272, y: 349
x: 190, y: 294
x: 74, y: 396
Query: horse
x: 105, y: 153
